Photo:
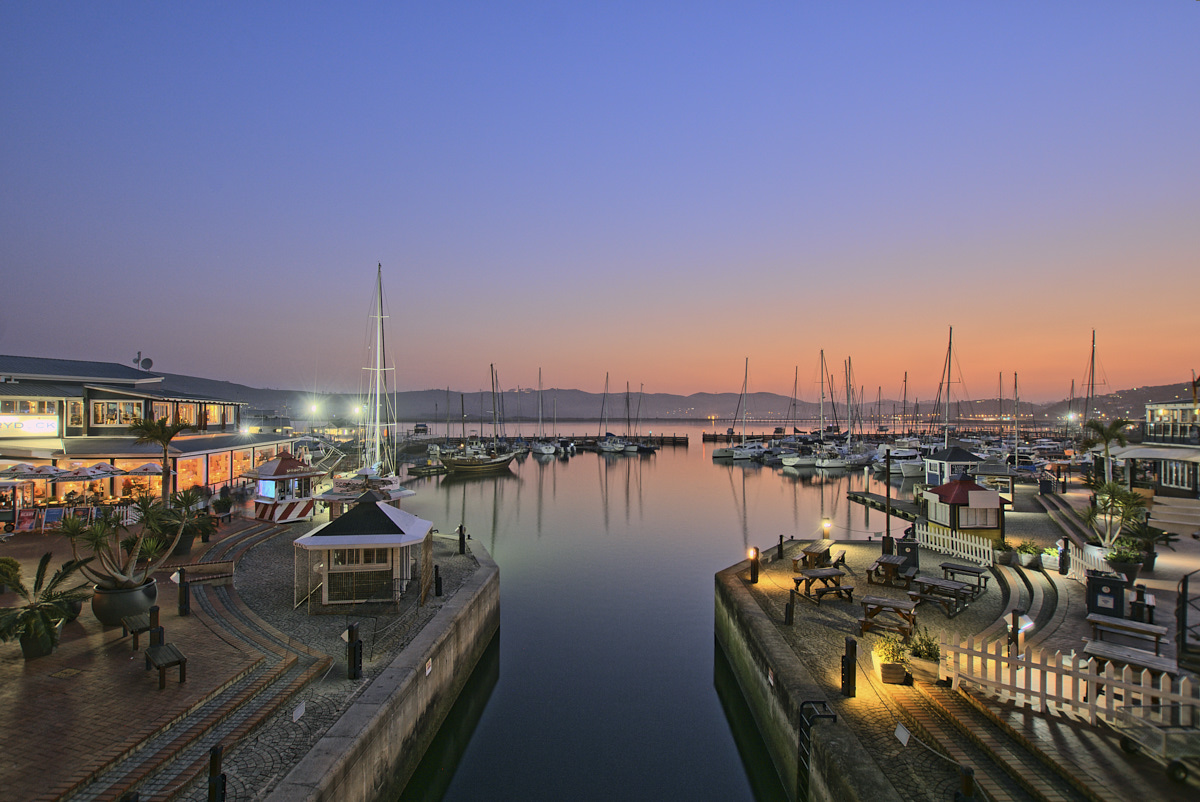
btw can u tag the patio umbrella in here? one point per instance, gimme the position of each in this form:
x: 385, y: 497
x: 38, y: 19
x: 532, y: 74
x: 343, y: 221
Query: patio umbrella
x: 149, y: 469
x: 108, y: 468
x: 44, y: 472
x: 82, y: 475
x: 14, y: 471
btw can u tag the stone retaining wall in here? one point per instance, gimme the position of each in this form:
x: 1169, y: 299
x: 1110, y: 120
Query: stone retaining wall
x: 373, y: 749
x: 775, y: 684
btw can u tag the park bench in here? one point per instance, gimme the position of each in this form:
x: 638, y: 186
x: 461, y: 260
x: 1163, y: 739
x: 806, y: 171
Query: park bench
x: 1127, y: 628
x: 138, y: 623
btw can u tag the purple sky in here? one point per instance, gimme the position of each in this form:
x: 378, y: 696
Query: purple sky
x: 654, y: 190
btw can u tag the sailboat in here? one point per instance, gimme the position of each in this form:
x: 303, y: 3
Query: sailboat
x: 481, y: 458
x: 377, y: 471
x: 540, y: 446
x: 607, y: 442
x: 830, y: 456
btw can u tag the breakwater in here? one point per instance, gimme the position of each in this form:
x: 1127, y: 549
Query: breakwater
x: 373, y: 749
x: 817, y: 760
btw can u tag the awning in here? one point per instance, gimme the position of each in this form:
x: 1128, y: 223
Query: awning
x: 368, y: 525
x: 1180, y: 453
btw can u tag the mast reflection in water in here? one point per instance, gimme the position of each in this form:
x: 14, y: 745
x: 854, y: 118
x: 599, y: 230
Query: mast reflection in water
x: 606, y: 655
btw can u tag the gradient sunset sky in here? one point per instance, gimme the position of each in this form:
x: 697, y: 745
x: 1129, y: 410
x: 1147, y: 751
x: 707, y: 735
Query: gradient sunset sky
x: 656, y: 190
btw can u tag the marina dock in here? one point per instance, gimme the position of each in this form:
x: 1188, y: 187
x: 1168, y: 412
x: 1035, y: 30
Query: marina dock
x: 901, y: 509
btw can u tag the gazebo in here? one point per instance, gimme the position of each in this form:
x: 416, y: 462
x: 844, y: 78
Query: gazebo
x: 284, y: 489
x: 364, y: 555
x: 962, y: 505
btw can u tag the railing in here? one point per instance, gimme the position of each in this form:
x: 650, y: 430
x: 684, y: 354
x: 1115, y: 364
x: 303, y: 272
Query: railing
x: 956, y: 543
x: 1078, y: 685
x: 1173, y: 433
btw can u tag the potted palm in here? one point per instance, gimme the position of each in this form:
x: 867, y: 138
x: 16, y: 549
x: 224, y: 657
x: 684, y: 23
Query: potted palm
x: 1125, y: 557
x: 1113, y: 508
x: 123, y: 577
x: 10, y: 573
x: 38, y: 623
x: 890, y: 657
x: 188, y: 511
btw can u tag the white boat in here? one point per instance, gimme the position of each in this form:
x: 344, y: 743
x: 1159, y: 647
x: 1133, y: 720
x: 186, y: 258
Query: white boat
x: 739, y: 451
x: 751, y: 450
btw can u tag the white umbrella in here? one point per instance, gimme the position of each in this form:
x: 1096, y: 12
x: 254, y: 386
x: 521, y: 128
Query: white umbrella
x: 13, y: 471
x: 45, y: 472
x: 82, y: 475
x: 109, y: 468
x: 149, y: 469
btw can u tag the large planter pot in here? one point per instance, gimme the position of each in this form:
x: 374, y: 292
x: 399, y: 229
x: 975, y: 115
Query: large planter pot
x: 31, y: 648
x: 889, y: 673
x: 110, y: 606
x: 1004, y: 557
x: 1095, y: 552
x: 1148, y: 561
x: 184, y: 547
x: 1027, y: 560
x: 1130, y: 570
x: 1049, y: 562
x: 73, y: 610
x: 923, y: 670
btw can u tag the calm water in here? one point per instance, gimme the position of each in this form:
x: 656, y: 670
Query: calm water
x: 605, y: 684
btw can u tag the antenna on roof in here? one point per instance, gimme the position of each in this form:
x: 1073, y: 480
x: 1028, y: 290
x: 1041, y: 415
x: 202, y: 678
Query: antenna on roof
x: 144, y: 364
x: 137, y: 359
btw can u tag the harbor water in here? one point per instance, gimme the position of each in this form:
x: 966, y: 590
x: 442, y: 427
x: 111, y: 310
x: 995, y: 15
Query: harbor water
x: 604, y: 683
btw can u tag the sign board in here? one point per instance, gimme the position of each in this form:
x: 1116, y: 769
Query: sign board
x: 28, y: 426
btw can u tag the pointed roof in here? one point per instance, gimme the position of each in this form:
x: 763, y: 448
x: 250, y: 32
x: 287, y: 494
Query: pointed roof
x: 954, y: 454
x: 957, y: 491
x: 370, y: 524
x: 284, y: 466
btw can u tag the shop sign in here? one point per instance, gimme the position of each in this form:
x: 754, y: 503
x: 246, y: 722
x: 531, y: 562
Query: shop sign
x: 28, y: 426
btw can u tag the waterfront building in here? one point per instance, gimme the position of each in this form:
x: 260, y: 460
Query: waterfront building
x: 69, y: 414
x: 1168, y: 458
x: 962, y: 505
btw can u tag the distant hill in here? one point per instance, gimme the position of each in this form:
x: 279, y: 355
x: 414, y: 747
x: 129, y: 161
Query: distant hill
x: 431, y: 405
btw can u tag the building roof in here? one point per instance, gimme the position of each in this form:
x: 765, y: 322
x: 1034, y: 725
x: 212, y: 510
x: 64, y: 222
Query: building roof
x: 367, y: 525
x: 36, y: 368
x: 957, y: 491
x: 162, y: 394
x: 284, y: 466
x: 180, y: 447
x: 36, y: 389
x: 954, y: 454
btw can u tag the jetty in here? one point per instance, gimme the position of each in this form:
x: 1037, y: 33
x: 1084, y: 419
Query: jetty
x: 901, y: 509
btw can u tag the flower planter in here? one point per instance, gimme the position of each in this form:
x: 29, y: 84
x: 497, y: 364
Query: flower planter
x: 1004, y: 558
x: 1027, y: 560
x: 110, y: 606
x: 889, y: 673
x: 924, y: 670
x: 1049, y: 562
x: 1130, y: 570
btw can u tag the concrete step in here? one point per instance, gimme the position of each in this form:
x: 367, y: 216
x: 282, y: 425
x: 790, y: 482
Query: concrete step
x: 1039, y: 779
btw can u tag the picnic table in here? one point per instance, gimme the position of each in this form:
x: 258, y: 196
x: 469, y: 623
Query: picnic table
x: 1124, y: 626
x: 977, y: 575
x: 814, y: 555
x: 886, y: 571
x: 831, y: 582
x: 952, y: 596
x: 902, y: 615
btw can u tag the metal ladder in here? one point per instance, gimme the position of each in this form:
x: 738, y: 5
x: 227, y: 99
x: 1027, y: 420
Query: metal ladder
x: 810, y: 712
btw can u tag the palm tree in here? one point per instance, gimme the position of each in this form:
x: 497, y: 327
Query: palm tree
x: 1097, y: 434
x: 160, y: 433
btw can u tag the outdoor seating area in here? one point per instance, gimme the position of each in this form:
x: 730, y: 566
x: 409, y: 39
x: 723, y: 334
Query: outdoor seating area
x: 898, y: 616
x: 831, y: 583
x: 889, y: 570
x: 977, y: 575
x: 951, y: 596
x: 1151, y: 633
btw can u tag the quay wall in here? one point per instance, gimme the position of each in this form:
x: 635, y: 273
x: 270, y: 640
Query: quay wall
x: 371, y: 752
x: 774, y: 684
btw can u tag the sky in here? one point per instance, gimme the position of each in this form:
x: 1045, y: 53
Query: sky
x: 656, y: 191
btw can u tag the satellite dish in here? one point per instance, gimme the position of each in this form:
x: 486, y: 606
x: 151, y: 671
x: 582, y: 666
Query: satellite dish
x: 147, y: 363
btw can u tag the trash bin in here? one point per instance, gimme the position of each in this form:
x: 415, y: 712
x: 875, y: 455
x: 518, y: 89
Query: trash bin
x: 1045, y: 487
x: 908, y: 550
x: 1106, y: 593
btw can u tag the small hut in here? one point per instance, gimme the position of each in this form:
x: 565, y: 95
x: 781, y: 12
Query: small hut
x: 948, y: 462
x: 364, y: 555
x: 284, y: 489
x: 962, y: 505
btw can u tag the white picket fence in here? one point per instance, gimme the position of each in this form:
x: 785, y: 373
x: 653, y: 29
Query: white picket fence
x: 1064, y: 682
x: 1081, y: 561
x: 976, y: 548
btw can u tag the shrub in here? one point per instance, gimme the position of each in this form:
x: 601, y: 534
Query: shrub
x: 1029, y: 547
x: 925, y: 646
x: 891, y: 649
x: 1050, y: 551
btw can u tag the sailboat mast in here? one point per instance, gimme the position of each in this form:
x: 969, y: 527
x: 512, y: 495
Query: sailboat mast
x: 946, y: 400
x: 822, y: 395
x: 374, y: 453
x: 1091, y: 383
x: 745, y: 404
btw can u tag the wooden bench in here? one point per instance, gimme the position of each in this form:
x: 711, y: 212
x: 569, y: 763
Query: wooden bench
x: 977, y: 573
x: 1132, y: 629
x: 1127, y: 655
x: 904, y: 611
x: 222, y: 517
x: 838, y: 558
x: 162, y: 656
x: 137, y: 624
x: 843, y: 591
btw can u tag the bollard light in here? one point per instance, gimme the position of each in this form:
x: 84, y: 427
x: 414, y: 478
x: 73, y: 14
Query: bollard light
x: 826, y: 525
x: 753, y: 566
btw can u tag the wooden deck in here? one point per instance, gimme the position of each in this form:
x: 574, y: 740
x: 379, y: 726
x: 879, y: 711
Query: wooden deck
x: 901, y: 509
